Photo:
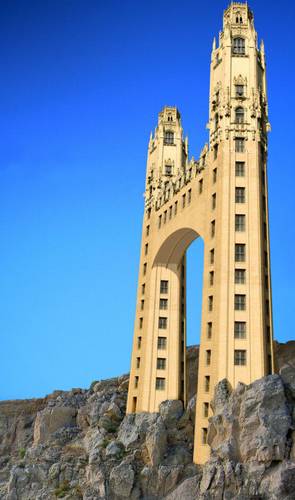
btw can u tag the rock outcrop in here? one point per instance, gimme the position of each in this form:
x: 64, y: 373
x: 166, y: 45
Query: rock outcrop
x: 80, y: 445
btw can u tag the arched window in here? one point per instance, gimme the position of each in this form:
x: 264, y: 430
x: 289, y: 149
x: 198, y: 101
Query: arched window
x: 239, y: 46
x: 168, y: 137
x: 240, y: 115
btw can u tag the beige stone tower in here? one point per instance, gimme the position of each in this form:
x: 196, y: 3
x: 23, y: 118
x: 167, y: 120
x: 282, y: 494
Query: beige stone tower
x: 222, y: 197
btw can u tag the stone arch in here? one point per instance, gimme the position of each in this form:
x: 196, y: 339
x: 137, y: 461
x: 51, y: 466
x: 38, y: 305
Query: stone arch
x: 174, y: 246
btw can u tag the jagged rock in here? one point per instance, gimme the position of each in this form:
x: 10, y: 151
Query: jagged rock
x: 156, y: 442
x: 134, y: 427
x: 122, y: 480
x: 171, y: 411
x: 187, y: 490
x: 115, y: 449
x: 50, y: 420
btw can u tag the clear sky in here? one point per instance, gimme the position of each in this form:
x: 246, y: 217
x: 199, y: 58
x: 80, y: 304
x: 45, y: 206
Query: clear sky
x: 82, y: 82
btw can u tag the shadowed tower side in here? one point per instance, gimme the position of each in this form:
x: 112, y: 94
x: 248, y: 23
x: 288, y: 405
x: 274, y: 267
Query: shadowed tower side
x: 222, y: 197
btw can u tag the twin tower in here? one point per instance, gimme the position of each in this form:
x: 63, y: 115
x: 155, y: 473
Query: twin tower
x: 222, y: 198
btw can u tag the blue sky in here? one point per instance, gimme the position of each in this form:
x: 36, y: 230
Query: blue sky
x: 82, y: 82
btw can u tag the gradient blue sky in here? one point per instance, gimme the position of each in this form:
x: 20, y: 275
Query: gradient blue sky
x: 82, y: 82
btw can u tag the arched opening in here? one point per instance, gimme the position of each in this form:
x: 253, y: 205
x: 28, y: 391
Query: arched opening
x: 182, y: 254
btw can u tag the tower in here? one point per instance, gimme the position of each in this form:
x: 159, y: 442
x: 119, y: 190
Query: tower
x: 221, y: 197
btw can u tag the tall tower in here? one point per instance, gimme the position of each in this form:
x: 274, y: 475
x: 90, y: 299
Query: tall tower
x: 222, y: 197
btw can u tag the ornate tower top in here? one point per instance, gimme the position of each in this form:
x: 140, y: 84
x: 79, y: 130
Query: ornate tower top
x: 238, y: 14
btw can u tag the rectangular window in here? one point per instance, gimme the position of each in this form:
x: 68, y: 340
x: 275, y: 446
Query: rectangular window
x: 137, y: 362
x: 204, y: 435
x: 200, y: 186
x: 164, y: 286
x: 210, y: 302
x: 170, y: 212
x: 146, y: 248
x: 162, y: 323
x: 163, y: 303
x: 215, y: 151
x: 183, y: 200
x: 143, y: 288
x: 168, y: 170
x: 207, y: 383
x: 160, y: 384
x: 142, y: 305
x: 205, y: 410
x: 211, y: 278
x: 189, y: 196
x: 212, y: 228
x: 240, y: 329
x: 161, y: 363
x: 240, y: 357
x: 240, y: 252
x: 264, y: 203
x: 138, y: 342
x: 214, y: 178
x: 265, y: 260
x: 239, y: 90
x: 162, y: 342
x: 140, y: 323
x: 213, y: 201
x: 175, y: 207
x: 165, y: 217
x: 144, y: 268
x: 239, y: 145
x: 266, y: 281
x: 147, y: 231
x: 267, y: 307
x: 240, y: 276
x: 240, y: 222
x: 208, y: 357
x: 240, y: 168
x: 240, y: 302
x: 265, y: 230
x: 136, y: 382
x: 160, y: 221
x: 240, y: 195
x: 212, y: 256
x: 209, y: 330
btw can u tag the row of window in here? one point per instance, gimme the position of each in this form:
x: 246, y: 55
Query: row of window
x: 185, y: 200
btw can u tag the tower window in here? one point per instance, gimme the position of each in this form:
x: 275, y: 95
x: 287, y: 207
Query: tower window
x: 144, y: 268
x: 168, y: 137
x: 240, y: 222
x: 204, y: 435
x: 136, y: 382
x: 240, y: 195
x: 143, y: 288
x: 183, y: 200
x: 215, y: 150
x: 168, y: 169
x: 240, y: 302
x: 240, y: 276
x: 239, y: 46
x: 137, y: 362
x: 209, y: 330
x: 207, y: 383
x: 160, y: 383
x: 175, y: 207
x: 162, y: 342
x: 240, y: 252
x: 240, y: 357
x: 213, y: 201
x: 208, y: 357
x: 170, y: 212
x: 212, y: 228
x: 205, y: 409
x: 189, y: 196
x: 146, y: 249
x: 164, y: 286
x: 212, y: 256
x: 210, y: 302
x: 200, y: 186
x: 163, y: 303
x: 240, y: 329
x: 211, y: 278
x: 216, y: 120
x: 162, y: 323
x: 147, y: 232
x: 142, y: 305
x: 239, y: 145
x: 239, y: 90
x: 214, y: 175
x: 140, y: 323
x: 161, y: 363
x: 160, y: 221
x: 239, y: 115
x: 138, y: 342
x: 240, y: 168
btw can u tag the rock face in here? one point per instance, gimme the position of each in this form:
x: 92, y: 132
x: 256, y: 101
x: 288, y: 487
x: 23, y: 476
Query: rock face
x: 80, y: 445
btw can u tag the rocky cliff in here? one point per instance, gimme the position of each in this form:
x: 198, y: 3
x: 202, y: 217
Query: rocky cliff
x: 80, y: 445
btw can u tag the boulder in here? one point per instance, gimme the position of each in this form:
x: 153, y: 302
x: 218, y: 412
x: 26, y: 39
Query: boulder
x: 171, y: 411
x: 50, y: 420
x: 122, y: 480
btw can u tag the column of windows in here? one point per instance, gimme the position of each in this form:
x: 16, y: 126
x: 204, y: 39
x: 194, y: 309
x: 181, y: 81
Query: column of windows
x: 162, y: 339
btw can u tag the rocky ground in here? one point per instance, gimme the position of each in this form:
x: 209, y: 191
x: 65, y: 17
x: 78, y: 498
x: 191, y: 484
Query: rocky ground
x: 80, y: 445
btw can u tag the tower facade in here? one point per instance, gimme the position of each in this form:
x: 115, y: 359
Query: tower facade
x: 222, y: 198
